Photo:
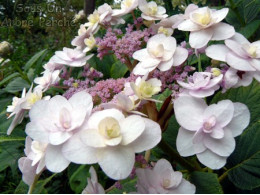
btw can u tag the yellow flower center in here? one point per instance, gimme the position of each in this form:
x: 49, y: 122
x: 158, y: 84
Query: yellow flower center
x: 146, y: 89
x: 252, y: 51
x: 94, y: 18
x: 109, y: 127
x: 127, y: 3
x: 202, y: 18
x: 216, y: 72
x: 166, y: 183
x: 152, y: 10
x: 33, y: 98
x: 90, y: 42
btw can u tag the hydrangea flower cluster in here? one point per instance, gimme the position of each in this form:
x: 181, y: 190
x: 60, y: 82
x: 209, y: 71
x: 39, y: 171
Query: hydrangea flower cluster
x: 115, y: 123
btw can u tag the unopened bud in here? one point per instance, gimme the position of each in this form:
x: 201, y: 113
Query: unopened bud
x: 5, y: 49
x: 216, y: 72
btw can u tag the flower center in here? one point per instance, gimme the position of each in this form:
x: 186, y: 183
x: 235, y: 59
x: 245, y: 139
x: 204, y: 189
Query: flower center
x: 33, y: 98
x: 109, y: 127
x: 90, y: 42
x: 152, y: 10
x: 252, y: 51
x: 209, y: 124
x: 94, y: 18
x: 166, y: 183
x: 127, y: 3
x: 146, y: 89
x: 202, y: 18
x: 65, y: 119
x: 158, y: 51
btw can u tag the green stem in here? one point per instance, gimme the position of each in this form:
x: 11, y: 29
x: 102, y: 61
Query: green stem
x: 23, y: 75
x: 223, y: 176
x: 199, y: 63
x: 34, y: 183
x: 170, y: 151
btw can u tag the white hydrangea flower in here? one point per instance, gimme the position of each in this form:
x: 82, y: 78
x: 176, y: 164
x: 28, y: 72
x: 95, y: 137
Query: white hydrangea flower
x: 161, y: 52
x: 49, y: 78
x: 111, y: 139
x: 151, y: 11
x: 90, y: 43
x: 209, y: 131
x: 55, y: 121
x: 126, y: 7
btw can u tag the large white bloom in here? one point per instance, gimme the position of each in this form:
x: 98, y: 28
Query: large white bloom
x: 111, y: 139
x: 151, y: 11
x: 55, y: 121
x: 71, y: 57
x: 162, y: 179
x: 209, y: 131
x: 205, y: 25
x: 161, y: 52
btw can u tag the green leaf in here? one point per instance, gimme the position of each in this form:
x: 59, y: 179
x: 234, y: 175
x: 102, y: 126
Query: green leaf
x: 16, y: 85
x: 128, y: 185
x: 206, y: 183
x: 250, y: 28
x: 251, y: 9
x: 31, y: 62
x: 245, y: 173
x: 39, y: 188
x: 118, y: 70
x: 16, y: 74
x: 78, y: 177
x: 22, y: 188
x: 6, y: 138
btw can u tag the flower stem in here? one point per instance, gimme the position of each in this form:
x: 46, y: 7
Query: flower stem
x: 199, y: 63
x: 223, y: 176
x: 170, y: 151
x: 147, y: 155
x: 34, y: 183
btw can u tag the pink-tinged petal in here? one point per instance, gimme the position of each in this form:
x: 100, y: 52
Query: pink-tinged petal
x: 191, y: 7
x: 149, y: 63
x: 223, y: 111
x: 222, y: 147
x: 114, y: 141
x: 117, y: 162
x: 18, y: 118
x: 41, y: 165
x: 184, y: 142
x: 240, y: 119
x: 28, y: 171
x: 188, y: 112
x: 230, y: 78
x: 239, y: 38
x: 28, y: 143
x: 96, y: 117
x: 169, y: 43
x: 76, y: 151
x: 185, y: 187
x: 217, y: 52
x: 39, y: 110
x: 219, y: 15
x: 238, y: 63
x: 164, y: 66
x: 199, y: 39
x: 54, y: 159
x: 211, y: 160
x: 236, y: 48
x: 141, y: 55
x: 82, y: 99
x: 131, y: 128
x: 92, y: 138
x: 215, y: 81
x: 202, y: 93
x: 188, y: 25
x: 56, y: 104
x: 256, y: 75
x: 217, y: 132
x: 150, y: 137
x: 179, y: 56
x: 59, y: 137
x: 37, y: 131
x: 161, y: 10
x: 222, y: 31
x: 93, y: 174
x: 255, y: 63
x: 161, y: 166
x: 197, y: 140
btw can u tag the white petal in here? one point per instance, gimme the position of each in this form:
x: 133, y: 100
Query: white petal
x: 222, y: 147
x: 238, y: 63
x: 201, y: 93
x: 223, y: 111
x: 81, y: 99
x: 211, y: 159
x: 92, y: 138
x: 185, y: 187
x: 150, y: 137
x: 54, y: 159
x: 131, y: 128
x: 180, y: 55
x: 37, y: 132
x: 166, y: 65
x: 188, y: 112
x: 236, y: 48
x: 57, y: 138
x: 219, y: 15
x: 188, y: 25
x: 222, y: 31
x: 217, y: 52
x: 141, y: 55
x: 75, y: 151
x: 199, y: 39
x: 140, y: 70
x: 240, y: 119
x: 38, y: 110
x: 239, y: 38
x: 117, y: 162
x: 184, y: 142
